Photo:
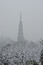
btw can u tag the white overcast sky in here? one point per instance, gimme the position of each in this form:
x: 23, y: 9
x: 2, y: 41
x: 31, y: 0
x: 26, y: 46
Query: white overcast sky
x: 32, y: 18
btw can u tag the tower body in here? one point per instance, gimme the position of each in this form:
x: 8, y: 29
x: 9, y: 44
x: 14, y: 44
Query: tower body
x: 20, y: 31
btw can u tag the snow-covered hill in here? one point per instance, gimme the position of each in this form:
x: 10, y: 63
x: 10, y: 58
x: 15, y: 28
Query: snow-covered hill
x: 30, y: 50
x: 4, y: 41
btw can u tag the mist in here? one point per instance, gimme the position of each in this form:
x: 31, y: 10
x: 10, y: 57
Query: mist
x: 32, y: 18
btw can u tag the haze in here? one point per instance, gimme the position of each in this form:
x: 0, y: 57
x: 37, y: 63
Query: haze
x: 32, y: 18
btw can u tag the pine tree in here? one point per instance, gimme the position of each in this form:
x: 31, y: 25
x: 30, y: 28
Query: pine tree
x: 41, y: 57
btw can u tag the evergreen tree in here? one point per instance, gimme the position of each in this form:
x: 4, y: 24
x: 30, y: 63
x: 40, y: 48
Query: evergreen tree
x: 41, y: 57
x: 35, y: 63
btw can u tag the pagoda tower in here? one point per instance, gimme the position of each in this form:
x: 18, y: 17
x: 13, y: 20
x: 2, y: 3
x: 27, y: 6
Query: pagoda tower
x: 20, y: 31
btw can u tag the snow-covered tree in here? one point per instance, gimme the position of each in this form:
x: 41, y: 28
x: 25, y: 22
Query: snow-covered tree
x: 41, y: 57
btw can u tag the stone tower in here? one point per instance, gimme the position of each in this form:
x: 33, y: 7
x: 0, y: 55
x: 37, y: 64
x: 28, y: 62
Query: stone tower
x: 20, y: 31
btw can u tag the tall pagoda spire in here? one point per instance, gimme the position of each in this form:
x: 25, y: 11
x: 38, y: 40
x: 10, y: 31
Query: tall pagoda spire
x: 20, y: 17
x: 20, y: 31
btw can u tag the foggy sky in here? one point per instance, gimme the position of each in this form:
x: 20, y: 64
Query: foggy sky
x: 32, y: 18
